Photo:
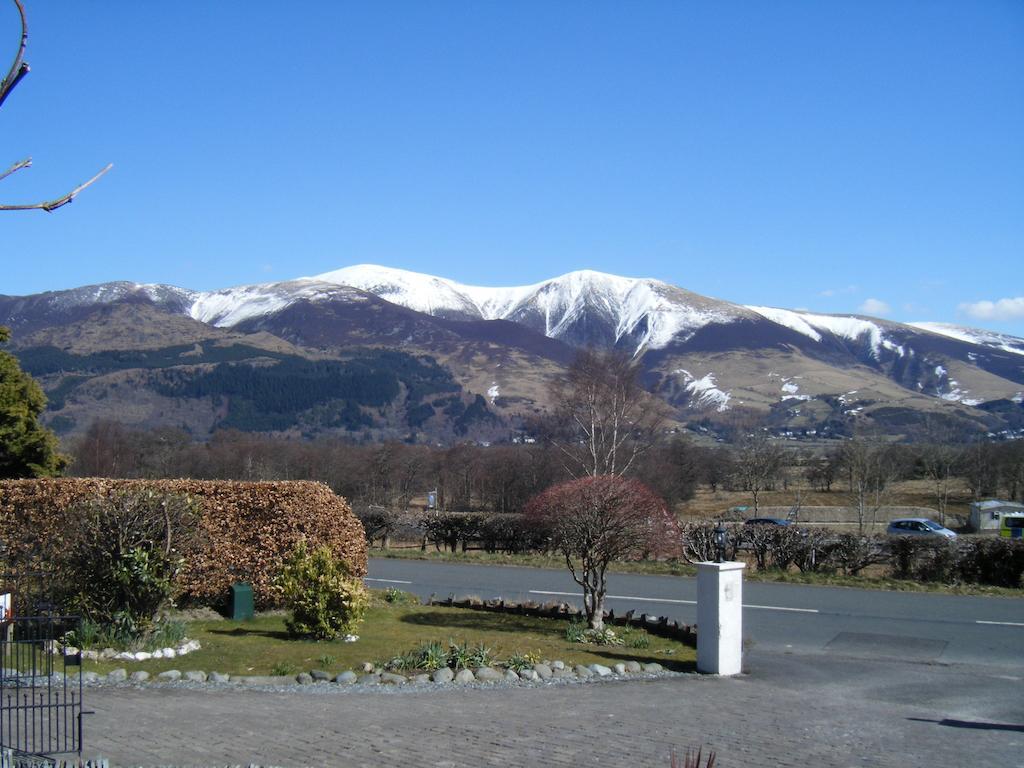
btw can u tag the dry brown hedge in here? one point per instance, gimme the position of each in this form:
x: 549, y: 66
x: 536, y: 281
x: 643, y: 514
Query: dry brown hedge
x: 246, y: 529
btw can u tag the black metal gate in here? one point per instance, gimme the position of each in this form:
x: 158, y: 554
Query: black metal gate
x: 40, y: 704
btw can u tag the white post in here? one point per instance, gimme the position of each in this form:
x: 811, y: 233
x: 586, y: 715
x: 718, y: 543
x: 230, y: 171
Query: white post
x: 720, y: 618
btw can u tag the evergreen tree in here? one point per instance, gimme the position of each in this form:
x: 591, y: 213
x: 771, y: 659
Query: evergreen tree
x: 27, y: 449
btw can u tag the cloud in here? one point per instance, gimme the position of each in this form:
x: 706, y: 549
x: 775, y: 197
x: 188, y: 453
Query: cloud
x: 1001, y: 309
x: 828, y: 292
x: 875, y: 307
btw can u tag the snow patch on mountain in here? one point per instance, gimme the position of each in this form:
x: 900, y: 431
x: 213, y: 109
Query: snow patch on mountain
x: 791, y: 391
x: 957, y: 395
x: 704, y: 391
x: 1000, y: 341
x: 493, y: 392
x: 843, y: 326
x: 788, y: 318
x: 231, y: 306
x: 107, y: 293
x: 653, y: 311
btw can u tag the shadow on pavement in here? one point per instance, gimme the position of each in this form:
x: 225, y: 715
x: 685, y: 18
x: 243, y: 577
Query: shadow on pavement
x: 972, y: 725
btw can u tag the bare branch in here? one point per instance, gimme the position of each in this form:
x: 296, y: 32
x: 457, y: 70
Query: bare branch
x: 19, y: 68
x: 53, y: 205
x: 26, y: 163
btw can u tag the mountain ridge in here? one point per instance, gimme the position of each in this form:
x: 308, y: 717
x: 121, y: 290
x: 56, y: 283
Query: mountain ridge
x: 709, y: 358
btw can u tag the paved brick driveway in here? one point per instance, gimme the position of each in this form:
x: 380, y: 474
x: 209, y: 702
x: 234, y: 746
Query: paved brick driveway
x: 806, y: 711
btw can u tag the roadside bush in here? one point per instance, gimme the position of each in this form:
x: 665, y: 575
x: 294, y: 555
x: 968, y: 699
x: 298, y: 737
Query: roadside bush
x: 812, y: 554
x: 378, y: 523
x: 511, y: 534
x: 697, y: 541
x: 924, y: 559
x: 996, y: 561
x: 987, y: 560
x: 451, y: 529
x: 324, y: 598
x: 853, y: 552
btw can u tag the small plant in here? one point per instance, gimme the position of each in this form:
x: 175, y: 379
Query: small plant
x: 579, y: 632
x: 282, y: 669
x: 603, y: 636
x: 433, y: 656
x: 481, y: 656
x: 403, y: 661
x: 576, y: 632
x: 465, y: 656
x: 459, y: 655
x: 396, y: 596
x: 327, y: 660
x: 166, y: 632
x: 325, y: 599
x: 635, y: 638
x: 517, y: 662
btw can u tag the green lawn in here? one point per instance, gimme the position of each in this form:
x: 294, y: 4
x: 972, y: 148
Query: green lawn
x: 261, y: 646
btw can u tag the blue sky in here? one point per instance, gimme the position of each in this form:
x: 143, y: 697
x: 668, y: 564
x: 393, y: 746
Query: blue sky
x: 824, y: 155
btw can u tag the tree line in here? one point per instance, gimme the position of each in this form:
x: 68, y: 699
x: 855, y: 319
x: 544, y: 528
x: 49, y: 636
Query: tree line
x: 502, y: 478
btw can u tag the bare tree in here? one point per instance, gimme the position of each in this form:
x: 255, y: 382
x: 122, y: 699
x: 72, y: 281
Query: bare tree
x: 869, y: 467
x: 607, y: 419
x: 758, y: 465
x: 940, y: 462
x: 594, y: 521
x: 20, y: 68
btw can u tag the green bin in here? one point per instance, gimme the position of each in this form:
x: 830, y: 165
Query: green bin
x: 241, y: 608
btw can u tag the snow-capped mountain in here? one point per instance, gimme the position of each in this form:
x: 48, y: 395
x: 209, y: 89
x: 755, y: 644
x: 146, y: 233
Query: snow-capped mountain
x: 581, y: 308
x: 703, y: 355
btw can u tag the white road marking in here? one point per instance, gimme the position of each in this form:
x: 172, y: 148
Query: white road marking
x: 667, y: 600
x: 389, y: 581
x: 781, y: 608
x: 1001, y: 623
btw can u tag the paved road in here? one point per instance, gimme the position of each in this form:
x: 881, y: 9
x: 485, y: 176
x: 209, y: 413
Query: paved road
x: 791, y: 710
x: 777, y: 617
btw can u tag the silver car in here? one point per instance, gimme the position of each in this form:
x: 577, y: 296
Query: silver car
x: 918, y: 526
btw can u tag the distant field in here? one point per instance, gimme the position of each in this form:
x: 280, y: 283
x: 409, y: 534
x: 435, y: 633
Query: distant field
x: 910, y: 498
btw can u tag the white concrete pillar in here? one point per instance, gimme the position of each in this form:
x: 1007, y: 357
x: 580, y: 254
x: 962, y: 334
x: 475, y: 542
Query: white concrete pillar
x: 720, y: 618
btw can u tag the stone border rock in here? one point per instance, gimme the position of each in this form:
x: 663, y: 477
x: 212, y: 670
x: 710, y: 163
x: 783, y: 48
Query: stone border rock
x: 542, y: 672
x: 185, y: 647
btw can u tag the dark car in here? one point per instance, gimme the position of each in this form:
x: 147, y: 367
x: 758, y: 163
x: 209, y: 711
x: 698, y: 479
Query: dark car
x: 767, y: 521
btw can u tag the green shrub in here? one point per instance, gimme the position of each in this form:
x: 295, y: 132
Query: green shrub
x: 324, y: 598
x: 122, y: 557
